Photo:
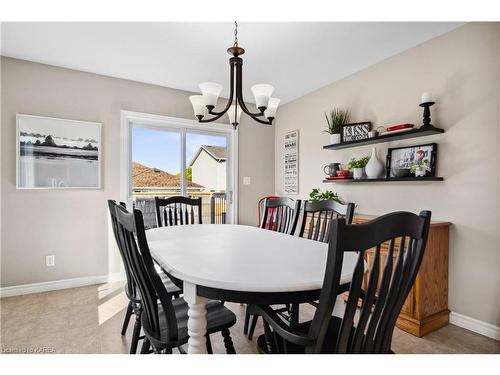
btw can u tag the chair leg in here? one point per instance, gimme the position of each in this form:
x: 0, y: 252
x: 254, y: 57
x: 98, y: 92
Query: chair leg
x: 294, y: 314
x: 146, y: 345
x: 135, y: 335
x: 128, y: 314
x: 209, y: 344
x: 228, y: 341
x: 247, y: 321
x: 168, y: 350
x: 252, y: 326
x: 268, y: 335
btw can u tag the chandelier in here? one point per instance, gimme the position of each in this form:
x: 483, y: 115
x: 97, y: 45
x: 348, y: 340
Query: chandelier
x: 204, y: 105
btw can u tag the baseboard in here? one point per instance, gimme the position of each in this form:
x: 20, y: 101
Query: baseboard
x: 474, y: 325
x: 48, y: 286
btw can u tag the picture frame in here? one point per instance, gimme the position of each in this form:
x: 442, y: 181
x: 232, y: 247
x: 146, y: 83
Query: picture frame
x: 57, y: 153
x: 422, y: 157
x: 355, y: 131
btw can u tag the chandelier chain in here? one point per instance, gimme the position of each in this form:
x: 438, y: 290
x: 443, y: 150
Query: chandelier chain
x: 235, y: 34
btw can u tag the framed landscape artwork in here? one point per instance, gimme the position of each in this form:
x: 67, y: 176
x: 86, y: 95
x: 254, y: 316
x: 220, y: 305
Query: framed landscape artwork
x: 55, y: 153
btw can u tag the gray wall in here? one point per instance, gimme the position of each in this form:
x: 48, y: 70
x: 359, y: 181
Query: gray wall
x: 461, y: 69
x: 73, y: 224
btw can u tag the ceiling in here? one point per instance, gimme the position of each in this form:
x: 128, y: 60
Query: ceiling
x: 296, y: 58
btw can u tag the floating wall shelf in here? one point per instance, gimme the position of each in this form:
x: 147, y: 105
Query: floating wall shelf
x: 390, y: 179
x: 415, y: 133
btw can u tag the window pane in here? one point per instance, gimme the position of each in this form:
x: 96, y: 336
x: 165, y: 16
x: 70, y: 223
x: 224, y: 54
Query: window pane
x: 206, y: 162
x: 156, y: 166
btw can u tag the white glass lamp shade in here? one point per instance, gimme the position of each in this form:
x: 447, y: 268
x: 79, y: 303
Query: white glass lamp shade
x: 198, y: 105
x: 231, y: 113
x: 211, y: 92
x: 262, y: 93
x: 272, y: 107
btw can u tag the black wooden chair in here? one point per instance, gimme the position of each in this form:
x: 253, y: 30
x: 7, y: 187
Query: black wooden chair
x: 315, y: 224
x: 134, y: 305
x: 388, y: 286
x: 178, y: 210
x: 164, y: 319
x: 318, y: 215
x: 279, y: 215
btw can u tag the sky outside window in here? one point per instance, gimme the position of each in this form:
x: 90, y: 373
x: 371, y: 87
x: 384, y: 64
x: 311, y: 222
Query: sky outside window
x: 161, y: 148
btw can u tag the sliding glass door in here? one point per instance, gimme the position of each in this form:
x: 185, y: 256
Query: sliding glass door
x: 168, y: 159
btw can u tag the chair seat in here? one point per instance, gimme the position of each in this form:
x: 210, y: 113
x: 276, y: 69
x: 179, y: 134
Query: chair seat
x: 328, y: 344
x: 219, y: 317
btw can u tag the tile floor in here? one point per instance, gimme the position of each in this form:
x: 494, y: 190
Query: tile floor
x: 89, y: 319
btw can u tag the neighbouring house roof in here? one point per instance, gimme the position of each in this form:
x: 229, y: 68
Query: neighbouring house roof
x: 146, y: 177
x: 217, y: 152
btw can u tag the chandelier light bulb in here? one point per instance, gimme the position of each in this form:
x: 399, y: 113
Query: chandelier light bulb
x: 210, y: 92
x: 232, y: 112
x: 262, y: 93
x: 272, y: 107
x: 198, y: 105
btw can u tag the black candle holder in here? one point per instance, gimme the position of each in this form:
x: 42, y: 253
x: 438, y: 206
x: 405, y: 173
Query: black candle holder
x: 427, y: 114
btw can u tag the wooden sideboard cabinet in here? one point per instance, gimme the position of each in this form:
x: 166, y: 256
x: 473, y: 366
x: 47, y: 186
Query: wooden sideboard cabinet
x: 426, y: 308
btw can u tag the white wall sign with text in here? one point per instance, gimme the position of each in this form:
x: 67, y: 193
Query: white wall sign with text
x: 292, y: 162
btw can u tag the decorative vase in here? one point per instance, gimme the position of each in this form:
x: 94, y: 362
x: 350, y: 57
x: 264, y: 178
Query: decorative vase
x: 357, y: 173
x: 334, y: 138
x: 374, y: 168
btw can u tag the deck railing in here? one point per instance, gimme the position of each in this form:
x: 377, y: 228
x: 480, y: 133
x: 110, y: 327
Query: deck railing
x: 218, y: 208
x: 214, y: 207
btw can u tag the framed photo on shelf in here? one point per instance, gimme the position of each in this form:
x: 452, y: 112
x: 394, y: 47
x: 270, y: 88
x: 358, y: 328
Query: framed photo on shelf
x: 55, y: 153
x: 355, y: 131
x: 412, y: 161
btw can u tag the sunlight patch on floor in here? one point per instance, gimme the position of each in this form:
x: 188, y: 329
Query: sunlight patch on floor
x: 111, y: 307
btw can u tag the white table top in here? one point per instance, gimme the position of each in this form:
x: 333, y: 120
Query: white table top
x: 242, y: 258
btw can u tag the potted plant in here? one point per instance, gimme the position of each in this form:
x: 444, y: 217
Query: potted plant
x: 357, y: 166
x: 335, y: 119
x: 317, y: 195
x: 420, y: 167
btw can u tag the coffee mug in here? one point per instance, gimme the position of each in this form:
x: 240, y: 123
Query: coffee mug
x: 331, y: 169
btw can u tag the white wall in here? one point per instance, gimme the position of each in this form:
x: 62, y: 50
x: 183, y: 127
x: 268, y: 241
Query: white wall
x: 461, y: 69
x: 73, y: 224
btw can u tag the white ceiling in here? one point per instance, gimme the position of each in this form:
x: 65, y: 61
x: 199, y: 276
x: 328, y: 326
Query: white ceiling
x: 296, y: 58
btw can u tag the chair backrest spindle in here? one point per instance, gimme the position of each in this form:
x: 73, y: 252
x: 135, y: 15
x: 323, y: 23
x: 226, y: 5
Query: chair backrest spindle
x: 317, y: 217
x: 178, y: 210
x: 280, y: 215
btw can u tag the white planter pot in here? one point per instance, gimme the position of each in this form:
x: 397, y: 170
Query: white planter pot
x: 357, y: 173
x: 374, y: 168
x: 419, y: 173
x: 334, y: 138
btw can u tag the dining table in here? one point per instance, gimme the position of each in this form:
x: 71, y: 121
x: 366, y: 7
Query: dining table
x: 239, y: 263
